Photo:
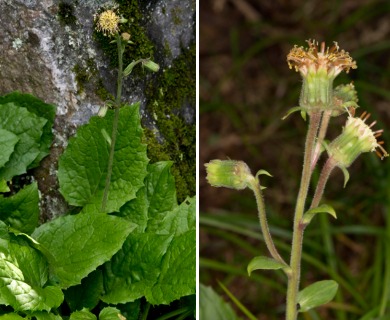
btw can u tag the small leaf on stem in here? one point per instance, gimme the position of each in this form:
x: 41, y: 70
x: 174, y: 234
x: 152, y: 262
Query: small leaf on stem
x: 264, y: 263
x: 309, y: 215
x: 317, y: 294
x: 346, y: 175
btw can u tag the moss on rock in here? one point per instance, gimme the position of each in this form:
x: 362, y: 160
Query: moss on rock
x: 167, y: 94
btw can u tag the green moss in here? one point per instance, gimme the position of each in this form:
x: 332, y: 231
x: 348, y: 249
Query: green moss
x: 81, y: 77
x: 167, y: 93
x: 176, y: 13
x: 142, y: 47
x: 102, y: 92
x: 66, y: 13
x: 167, y: 49
x: 89, y: 76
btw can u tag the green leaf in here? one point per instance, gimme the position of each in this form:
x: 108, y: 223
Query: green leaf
x: 292, y: 110
x: 23, y: 274
x: 80, y: 243
x: 8, y: 141
x: 42, y: 315
x: 131, y: 310
x: 83, y: 166
x: 11, y: 316
x: 21, y: 211
x: 40, y: 109
x: 87, y: 294
x: 28, y: 128
x: 346, y: 175
x: 264, y: 263
x: 309, y: 215
x: 84, y: 314
x: 157, y: 260
x: 317, y: 294
x: 237, y: 302
x: 154, y: 200
x: 263, y: 172
x: 3, y: 186
x: 212, y: 306
x: 178, y: 271
x: 130, y: 67
x: 110, y: 313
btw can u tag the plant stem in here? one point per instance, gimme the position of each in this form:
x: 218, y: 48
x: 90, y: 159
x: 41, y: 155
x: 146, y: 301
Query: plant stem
x: 296, y: 248
x: 329, y: 165
x: 321, y: 135
x: 263, y: 222
x: 115, y: 122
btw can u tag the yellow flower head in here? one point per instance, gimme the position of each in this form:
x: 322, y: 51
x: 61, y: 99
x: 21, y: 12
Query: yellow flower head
x: 315, y: 58
x: 107, y: 22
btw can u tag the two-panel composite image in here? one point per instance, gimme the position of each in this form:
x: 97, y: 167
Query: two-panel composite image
x: 192, y: 159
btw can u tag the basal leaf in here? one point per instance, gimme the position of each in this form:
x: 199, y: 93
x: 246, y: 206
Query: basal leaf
x: 40, y: 109
x: 158, y: 263
x: 87, y: 294
x: 80, y: 243
x: 23, y: 274
x: 110, y: 313
x: 154, y: 200
x: 212, y: 306
x: 11, y: 316
x: 7, y: 145
x: 21, y: 211
x: 42, y: 315
x: 178, y: 271
x: 264, y: 263
x: 135, y: 268
x: 317, y: 294
x: 84, y: 314
x: 3, y: 186
x: 28, y: 128
x: 83, y: 166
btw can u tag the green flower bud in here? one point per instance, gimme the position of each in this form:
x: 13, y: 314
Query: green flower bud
x: 357, y: 137
x: 344, y: 96
x: 229, y: 174
x: 152, y: 66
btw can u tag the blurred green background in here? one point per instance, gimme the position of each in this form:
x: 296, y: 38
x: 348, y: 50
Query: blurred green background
x: 246, y: 88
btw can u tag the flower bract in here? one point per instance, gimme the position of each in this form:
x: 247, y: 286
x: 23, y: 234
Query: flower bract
x: 357, y: 137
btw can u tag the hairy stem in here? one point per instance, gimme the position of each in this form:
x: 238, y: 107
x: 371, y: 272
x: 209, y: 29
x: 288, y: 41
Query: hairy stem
x: 325, y: 173
x: 321, y: 136
x: 263, y: 222
x: 115, y: 122
x: 296, y: 249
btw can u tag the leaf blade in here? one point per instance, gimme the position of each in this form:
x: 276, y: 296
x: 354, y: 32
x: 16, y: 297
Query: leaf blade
x: 317, y: 294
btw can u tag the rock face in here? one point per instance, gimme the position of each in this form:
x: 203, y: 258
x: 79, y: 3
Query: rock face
x: 43, y: 46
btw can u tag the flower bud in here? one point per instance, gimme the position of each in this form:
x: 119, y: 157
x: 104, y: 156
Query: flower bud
x: 357, y: 137
x: 229, y: 174
x: 125, y: 36
x: 344, y: 96
x: 152, y: 66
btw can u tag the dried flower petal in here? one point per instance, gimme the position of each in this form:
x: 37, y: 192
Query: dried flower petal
x: 332, y: 60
